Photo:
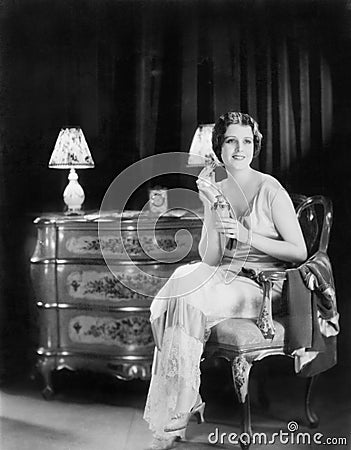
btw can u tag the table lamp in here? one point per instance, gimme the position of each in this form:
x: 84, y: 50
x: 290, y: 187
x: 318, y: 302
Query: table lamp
x: 71, y: 152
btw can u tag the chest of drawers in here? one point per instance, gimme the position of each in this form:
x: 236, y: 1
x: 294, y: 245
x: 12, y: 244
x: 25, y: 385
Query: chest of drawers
x: 94, y: 281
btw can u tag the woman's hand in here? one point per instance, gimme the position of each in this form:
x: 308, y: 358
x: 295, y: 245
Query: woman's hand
x: 206, y: 185
x: 232, y: 228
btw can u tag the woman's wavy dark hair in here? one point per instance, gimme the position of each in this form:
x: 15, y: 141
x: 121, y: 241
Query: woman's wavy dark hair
x: 230, y: 118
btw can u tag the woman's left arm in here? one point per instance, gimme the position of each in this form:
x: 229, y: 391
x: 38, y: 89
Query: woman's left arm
x: 292, y: 247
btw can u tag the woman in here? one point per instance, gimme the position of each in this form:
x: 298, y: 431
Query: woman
x: 260, y: 232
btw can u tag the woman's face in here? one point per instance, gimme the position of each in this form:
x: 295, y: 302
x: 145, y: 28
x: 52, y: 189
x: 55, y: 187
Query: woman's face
x: 238, y: 146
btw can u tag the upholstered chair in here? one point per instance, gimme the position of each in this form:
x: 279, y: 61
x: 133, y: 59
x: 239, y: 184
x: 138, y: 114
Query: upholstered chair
x: 244, y: 342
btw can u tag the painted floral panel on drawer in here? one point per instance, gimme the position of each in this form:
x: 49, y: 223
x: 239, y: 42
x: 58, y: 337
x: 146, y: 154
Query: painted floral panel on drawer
x: 92, y: 285
x: 129, y: 244
x: 126, y: 331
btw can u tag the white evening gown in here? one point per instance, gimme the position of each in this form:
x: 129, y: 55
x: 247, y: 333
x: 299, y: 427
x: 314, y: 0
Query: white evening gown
x: 197, y: 297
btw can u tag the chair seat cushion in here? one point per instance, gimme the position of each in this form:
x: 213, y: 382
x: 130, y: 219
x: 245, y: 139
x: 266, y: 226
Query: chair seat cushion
x: 243, y: 334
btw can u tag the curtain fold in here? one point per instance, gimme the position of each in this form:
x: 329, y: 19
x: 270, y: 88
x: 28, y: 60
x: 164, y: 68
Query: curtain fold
x: 287, y: 136
x: 149, y: 75
x: 326, y: 102
x: 189, y: 57
x: 305, y: 103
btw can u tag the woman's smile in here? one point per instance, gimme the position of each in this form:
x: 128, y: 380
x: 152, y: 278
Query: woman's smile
x: 239, y: 156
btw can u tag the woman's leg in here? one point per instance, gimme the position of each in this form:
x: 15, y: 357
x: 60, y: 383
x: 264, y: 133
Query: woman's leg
x: 179, y: 329
x: 175, y: 379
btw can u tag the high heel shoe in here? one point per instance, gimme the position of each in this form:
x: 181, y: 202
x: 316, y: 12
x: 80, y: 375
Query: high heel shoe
x: 166, y: 442
x: 180, y: 421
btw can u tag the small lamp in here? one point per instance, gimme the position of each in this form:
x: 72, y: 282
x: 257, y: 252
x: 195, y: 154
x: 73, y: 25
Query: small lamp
x: 71, y: 152
x: 201, y: 152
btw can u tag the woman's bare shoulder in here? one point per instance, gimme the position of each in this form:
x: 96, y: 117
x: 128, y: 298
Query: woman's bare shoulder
x: 271, y: 183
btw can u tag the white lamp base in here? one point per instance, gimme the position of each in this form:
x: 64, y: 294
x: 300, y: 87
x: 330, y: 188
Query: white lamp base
x: 73, y: 195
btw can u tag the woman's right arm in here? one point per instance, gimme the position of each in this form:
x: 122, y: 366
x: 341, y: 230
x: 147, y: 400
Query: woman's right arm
x: 212, y: 243
x: 210, y: 246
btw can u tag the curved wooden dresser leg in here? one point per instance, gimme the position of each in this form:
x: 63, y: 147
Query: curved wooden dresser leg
x: 312, y: 417
x: 241, y: 372
x: 45, y: 367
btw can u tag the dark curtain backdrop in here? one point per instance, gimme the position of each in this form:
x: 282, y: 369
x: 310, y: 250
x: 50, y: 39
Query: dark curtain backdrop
x: 138, y: 76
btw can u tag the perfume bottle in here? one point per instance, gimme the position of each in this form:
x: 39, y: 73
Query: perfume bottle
x: 221, y: 206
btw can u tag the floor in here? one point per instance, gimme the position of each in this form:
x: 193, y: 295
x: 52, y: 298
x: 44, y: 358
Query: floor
x: 93, y: 412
